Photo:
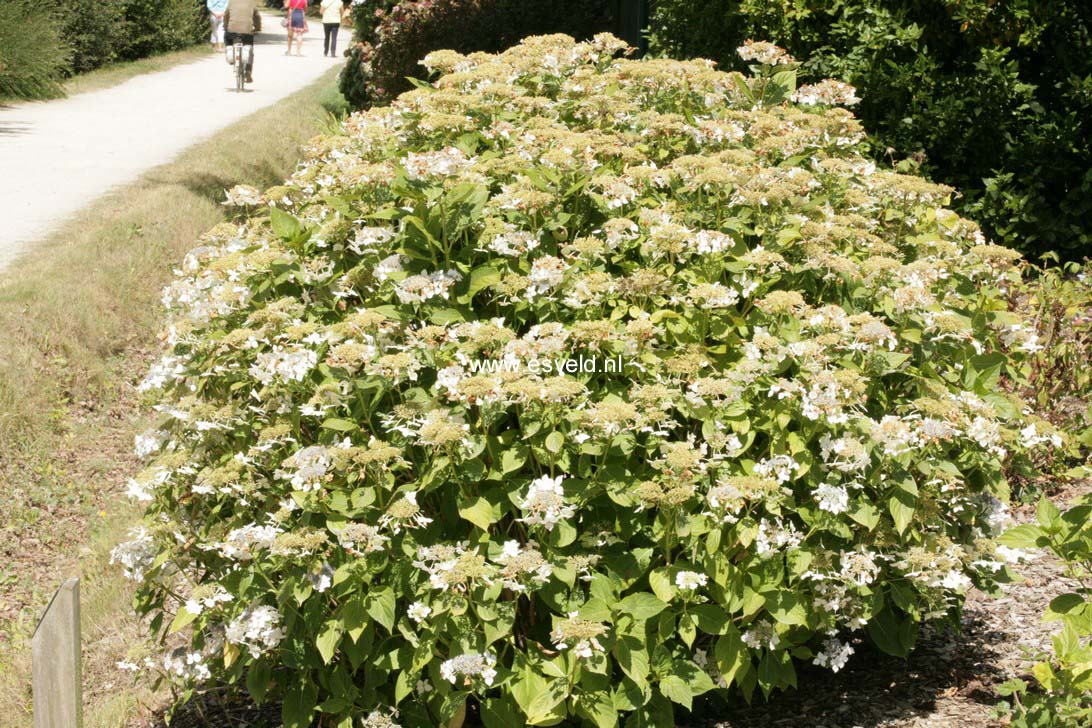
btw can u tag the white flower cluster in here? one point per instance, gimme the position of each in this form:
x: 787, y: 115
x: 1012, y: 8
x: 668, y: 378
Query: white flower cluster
x: 470, y: 666
x: 257, y: 629
x: 544, y: 505
x: 828, y: 92
x: 690, y: 580
x: 241, y: 544
x: 834, y: 654
x: 137, y: 555
x: 832, y: 498
x: 368, y: 238
x: 421, y: 287
x: 762, y: 635
x: 286, y: 364
x: 445, y: 163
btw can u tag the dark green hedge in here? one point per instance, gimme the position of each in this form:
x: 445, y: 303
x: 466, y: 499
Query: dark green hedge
x: 391, y: 37
x: 41, y: 43
x: 994, y: 96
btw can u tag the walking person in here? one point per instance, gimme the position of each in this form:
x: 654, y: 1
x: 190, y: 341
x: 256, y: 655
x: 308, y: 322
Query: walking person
x: 297, y: 24
x: 331, y: 23
x: 217, y: 8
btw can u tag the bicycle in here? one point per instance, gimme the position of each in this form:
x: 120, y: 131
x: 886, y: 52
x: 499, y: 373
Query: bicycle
x: 236, y: 59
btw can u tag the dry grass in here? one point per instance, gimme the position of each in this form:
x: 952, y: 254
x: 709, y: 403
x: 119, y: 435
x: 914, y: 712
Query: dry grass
x: 78, y: 318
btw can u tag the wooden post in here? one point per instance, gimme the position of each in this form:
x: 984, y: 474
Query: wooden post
x: 56, y: 661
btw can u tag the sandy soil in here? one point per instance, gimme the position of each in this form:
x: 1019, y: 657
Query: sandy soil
x: 58, y: 156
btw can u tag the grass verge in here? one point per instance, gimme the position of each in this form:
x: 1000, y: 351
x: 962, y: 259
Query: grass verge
x: 78, y: 320
x: 117, y: 73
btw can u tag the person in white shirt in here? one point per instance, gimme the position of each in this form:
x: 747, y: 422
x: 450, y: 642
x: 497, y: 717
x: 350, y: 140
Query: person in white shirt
x: 331, y: 23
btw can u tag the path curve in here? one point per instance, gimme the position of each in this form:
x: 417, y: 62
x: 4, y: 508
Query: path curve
x: 58, y: 156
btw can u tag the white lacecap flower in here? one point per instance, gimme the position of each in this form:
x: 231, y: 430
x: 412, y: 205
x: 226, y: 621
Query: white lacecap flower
x: 149, y: 442
x: 832, y: 498
x: 418, y: 612
x: 257, y: 629
x: 761, y: 635
x: 544, y: 505
x: 690, y: 580
x: 137, y: 555
x: 470, y: 666
x: 835, y: 654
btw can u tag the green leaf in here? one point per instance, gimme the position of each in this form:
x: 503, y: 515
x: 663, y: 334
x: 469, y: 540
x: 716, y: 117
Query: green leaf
x: 866, y: 514
x: 481, y: 513
x: 599, y: 708
x: 901, y: 506
x: 339, y: 425
x: 381, y: 608
x: 555, y: 441
x: 527, y: 684
x: 1063, y: 606
x: 892, y: 633
x: 633, y: 659
x: 787, y: 607
x: 642, y: 605
x: 677, y: 690
x: 181, y: 619
x: 513, y: 458
x: 731, y: 654
x: 257, y: 680
x: 660, y: 581
x: 480, y: 278
x: 709, y: 618
x: 285, y: 226
x: 328, y: 639
x: 1047, y: 514
x: 1022, y: 537
x: 354, y: 617
x: 299, y: 703
x: 547, y: 707
x: 500, y: 713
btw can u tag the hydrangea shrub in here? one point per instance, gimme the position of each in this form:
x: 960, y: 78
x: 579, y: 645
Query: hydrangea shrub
x: 382, y: 494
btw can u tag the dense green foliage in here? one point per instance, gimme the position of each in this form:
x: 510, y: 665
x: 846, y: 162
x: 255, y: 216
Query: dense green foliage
x: 377, y: 482
x: 996, y: 94
x: 150, y: 27
x: 1057, y: 301
x: 41, y: 43
x: 1062, y: 696
x: 33, y: 56
x: 391, y: 36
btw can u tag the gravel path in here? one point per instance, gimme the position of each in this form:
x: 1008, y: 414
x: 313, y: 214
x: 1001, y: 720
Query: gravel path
x: 58, y: 156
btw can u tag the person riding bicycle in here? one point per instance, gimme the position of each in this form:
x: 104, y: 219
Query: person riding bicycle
x: 242, y: 20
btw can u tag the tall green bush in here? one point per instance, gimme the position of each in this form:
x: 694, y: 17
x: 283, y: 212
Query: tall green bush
x: 33, y: 56
x: 391, y: 36
x: 386, y: 491
x: 159, y: 26
x: 93, y: 30
x: 996, y: 95
x: 100, y: 33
